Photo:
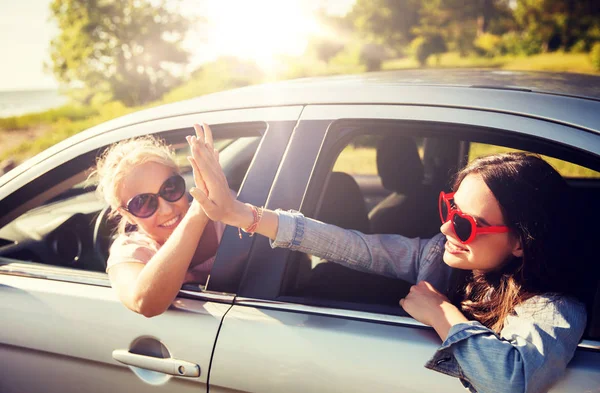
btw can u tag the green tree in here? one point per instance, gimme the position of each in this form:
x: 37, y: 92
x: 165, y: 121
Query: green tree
x: 459, y: 22
x: 130, y: 49
x: 559, y: 24
x: 456, y: 22
x: 386, y: 22
x: 371, y: 56
x: 423, y: 47
x: 325, y: 48
x: 336, y: 32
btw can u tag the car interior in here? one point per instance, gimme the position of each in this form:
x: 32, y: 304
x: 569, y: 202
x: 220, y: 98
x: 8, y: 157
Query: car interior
x: 413, y: 170
x: 70, y: 227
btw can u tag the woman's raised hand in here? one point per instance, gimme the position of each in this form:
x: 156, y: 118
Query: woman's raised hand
x: 212, y: 191
x: 199, y: 182
x: 215, y: 197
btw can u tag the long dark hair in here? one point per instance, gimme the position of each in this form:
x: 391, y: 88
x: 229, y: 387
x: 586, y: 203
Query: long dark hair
x: 533, y: 198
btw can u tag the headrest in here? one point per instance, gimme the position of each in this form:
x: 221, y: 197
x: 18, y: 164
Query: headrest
x: 398, y: 164
x: 343, y: 203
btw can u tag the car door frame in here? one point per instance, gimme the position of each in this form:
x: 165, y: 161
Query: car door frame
x: 48, y: 289
x: 320, y: 128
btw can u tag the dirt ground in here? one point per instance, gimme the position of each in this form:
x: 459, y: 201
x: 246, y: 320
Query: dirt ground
x: 12, y: 138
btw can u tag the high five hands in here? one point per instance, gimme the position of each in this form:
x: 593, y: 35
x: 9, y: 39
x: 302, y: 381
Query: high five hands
x: 212, y: 191
x: 424, y: 302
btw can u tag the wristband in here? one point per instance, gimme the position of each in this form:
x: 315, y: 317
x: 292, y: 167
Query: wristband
x: 257, y: 214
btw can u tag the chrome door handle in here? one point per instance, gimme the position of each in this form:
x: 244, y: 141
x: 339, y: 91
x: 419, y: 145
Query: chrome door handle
x: 162, y: 365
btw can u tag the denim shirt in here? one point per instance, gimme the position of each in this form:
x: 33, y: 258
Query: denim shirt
x: 531, y: 352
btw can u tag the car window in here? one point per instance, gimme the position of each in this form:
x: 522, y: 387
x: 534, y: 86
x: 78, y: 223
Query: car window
x: 181, y: 151
x: 69, y: 229
x: 565, y: 168
x: 359, y: 159
x: 359, y: 156
x: 389, y: 183
x: 371, y: 174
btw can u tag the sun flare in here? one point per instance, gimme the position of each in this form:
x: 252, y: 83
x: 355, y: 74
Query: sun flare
x: 259, y: 30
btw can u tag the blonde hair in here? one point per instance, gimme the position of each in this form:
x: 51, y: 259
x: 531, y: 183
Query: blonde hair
x: 116, y: 161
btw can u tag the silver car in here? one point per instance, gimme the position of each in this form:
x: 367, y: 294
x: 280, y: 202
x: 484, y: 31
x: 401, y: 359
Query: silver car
x: 272, y: 320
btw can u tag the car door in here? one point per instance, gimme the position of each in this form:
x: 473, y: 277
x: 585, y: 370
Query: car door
x: 63, y: 328
x: 61, y: 336
x: 275, y: 340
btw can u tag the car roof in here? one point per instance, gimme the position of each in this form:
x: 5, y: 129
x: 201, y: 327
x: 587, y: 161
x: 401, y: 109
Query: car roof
x: 539, y: 94
x: 562, y: 83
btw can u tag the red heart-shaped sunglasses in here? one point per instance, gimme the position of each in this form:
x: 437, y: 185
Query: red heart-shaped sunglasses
x: 464, y: 226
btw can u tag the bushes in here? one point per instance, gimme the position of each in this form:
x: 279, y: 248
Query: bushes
x: 357, y: 56
x: 371, y: 56
x: 520, y: 44
x: 488, y: 45
x: 511, y: 43
x: 325, y: 48
x: 423, y: 47
x: 222, y: 74
x: 595, y: 56
x: 581, y: 46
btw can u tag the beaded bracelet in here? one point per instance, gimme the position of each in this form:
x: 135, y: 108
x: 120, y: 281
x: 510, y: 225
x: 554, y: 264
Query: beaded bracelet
x: 257, y: 214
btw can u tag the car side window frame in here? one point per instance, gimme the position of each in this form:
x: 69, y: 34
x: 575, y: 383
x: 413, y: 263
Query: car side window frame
x: 548, y: 137
x: 243, y: 120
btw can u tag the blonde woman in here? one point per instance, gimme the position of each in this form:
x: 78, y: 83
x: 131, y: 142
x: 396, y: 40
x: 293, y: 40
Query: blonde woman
x: 172, y: 241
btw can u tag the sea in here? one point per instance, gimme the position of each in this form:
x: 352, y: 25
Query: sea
x: 19, y: 102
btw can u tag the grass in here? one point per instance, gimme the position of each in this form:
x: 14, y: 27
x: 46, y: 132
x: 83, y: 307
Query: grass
x: 566, y: 169
x: 556, y: 62
x: 357, y: 161
x: 446, y: 60
x: 66, y: 123
x: 71, y: 111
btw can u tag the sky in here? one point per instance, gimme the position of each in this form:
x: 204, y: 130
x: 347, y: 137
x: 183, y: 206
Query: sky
x: 258, y: 30
x: 25, y: 34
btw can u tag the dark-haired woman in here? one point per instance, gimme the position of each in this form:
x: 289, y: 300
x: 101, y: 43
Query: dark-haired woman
x: 515, y: 324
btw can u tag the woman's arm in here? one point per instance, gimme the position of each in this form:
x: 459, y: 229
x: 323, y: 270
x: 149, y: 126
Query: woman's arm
x: 390, y: 255
x: 215, y: 196
x: 150, y: 288
x: 531, y: 353
x: 427, y: 305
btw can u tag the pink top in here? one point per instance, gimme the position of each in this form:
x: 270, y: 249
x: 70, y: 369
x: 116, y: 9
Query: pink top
x: 138, y: 247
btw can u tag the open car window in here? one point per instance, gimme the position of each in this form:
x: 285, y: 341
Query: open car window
x: 64, y: 230
x: 387, y: 182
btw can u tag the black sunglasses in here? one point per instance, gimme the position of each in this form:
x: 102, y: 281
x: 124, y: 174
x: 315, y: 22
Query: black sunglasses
x: 145, y: 205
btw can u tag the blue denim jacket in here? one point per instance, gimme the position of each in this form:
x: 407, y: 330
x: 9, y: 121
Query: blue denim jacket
x: 530, y: 353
